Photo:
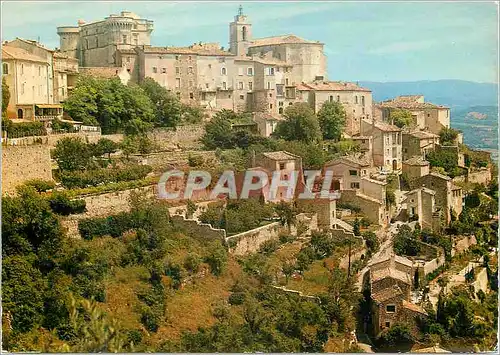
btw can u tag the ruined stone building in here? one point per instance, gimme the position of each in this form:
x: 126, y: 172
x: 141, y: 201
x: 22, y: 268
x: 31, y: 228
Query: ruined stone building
x: 255, y: 74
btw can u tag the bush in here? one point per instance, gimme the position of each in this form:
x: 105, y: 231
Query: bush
x: 269, y: 246
x: 82, y: 179
x: 397, y: 334
x: 134, y: 336
x: 364, y: 222
x: 41, y: 185
x: 237, y: 298
x: 192, y: 262
x: 61, y: 204
x: 24, y: 129
x: 150, y: 319
x: 195, y: 160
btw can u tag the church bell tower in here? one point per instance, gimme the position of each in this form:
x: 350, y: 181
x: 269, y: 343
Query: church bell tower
x: 240, y: 34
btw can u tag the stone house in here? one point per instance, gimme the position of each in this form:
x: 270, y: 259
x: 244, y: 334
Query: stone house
x: 357, y: 101
x: 365, y: 144
x: 421, y: 204
x: 387, y: 146
x: 107, y: 73
x: 418, y: 143
x: 28, y: 76
x: 266, y: 123
x: 349, y: 170
x: 448, y: 196
x: 415, y: 168
x: 426, y: 116
x: 65, y: 76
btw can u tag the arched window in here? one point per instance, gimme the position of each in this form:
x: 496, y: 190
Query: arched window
x: 223, y: 71
x: 280, y: 110
x: 244, y: 33
x: 20, y: 113
x: 5, y: 68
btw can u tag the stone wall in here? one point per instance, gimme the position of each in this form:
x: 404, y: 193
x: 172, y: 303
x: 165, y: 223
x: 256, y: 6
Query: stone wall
x: 462, y: 243
x: 185, y: 136
x: 162, y: 160
x: 198, y: 230
x: 433, y: 264
x: 22, y: 163
x: 250, y: 241
x: 370, y: 208
x: 482, y: 176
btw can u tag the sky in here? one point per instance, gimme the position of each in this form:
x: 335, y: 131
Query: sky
x: 364, y: 41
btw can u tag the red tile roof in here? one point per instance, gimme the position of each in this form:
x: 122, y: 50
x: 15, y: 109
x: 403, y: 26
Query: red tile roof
x: 203, y: 49
x: 14, y: 53
x: 409, y: 102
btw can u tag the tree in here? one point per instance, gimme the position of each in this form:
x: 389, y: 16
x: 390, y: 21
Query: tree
x: 448, y: 136
x: 356, y: 227
x: 217, y: 259
x: 286, y: 213
x: 71, y: 154
x: 105, y: 146
x: 167, y: 107
x: 288, y: 268
x: 5, y: 97
x: 332, y: 117
x: 401, y: 117
x: 218, y: 132
x: 300, y: 124
x: 129, y: 145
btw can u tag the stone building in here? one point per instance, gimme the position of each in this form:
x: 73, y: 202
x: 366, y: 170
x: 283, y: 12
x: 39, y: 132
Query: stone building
x: 415, y: 168
x: 387, y: 146
x: 426, y: 116
x: 266, y: 123
x: 256, y: 74
x: 420, y: 205
x: 95, y: 44
x: 357, y: 101
x: 349, y: 170
x: 390, y: 286
x: 28, y: 76
x: 448, y: 196
x: 418, y: 143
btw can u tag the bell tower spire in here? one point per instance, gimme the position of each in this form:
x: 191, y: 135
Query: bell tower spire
x: 240, y: 34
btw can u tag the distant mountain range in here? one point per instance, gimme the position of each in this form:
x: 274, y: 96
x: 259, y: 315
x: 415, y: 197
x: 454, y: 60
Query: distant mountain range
x: 474, y: 106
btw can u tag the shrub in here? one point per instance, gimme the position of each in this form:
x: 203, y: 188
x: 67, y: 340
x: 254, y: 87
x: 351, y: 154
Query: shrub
x: 192, y: 262
x: 24, y: 129
x: 237, y: 298
x: 269, y: 246
x: 195, y: 160
x: 364, y: 222
x: 61, y: 204
x: 82, y: 179
x: 150, y: 319
x: 41, y: 185
x: 134, y: 336
x: 397, y: 334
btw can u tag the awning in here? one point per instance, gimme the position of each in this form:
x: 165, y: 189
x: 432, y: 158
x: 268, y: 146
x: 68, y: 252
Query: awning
x: 48, y: 105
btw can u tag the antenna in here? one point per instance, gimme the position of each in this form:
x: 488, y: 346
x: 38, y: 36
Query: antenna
x: 240, y: 11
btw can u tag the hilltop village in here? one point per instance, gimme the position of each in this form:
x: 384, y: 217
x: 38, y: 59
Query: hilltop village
x: 401, y: 257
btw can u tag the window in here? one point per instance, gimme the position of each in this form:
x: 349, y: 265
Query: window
x: 268, y: 85
x: 191, y: 95
x: 281, y: 166
x: 189, y: 57
x: 338, y: 98
x: 190, y: 70
x: 242, y: 97
x: 20, y: 113
x: 240, y: 71
x: 155, y: 70
x: 190, y: 83
x: 22, y: 69
x: 124, y: 39
x: 387, y: 324
x: 280, y: 110
x: 412, y: 211
x: 128, y: 59
x: 177, y: 83
x: 363, y: 110
x: 353, y: 173
x: 178, y: 94
x: 447, y: 113
x: 394, y: 152
x: 286, y: 81
x: 364, y: 172
x: 210, y: 66
x: 164, y: 70
x: 330, y: 98
x: 176, y: 57
x: 240, y: 85
x: 271, y: 106
x: 223, y: 71
x: 354, y: 185
x: 355, y: 99
x: 250, y: 71
x: 224, y: 85
x: 250, y: 85
x: 270, y: 71
x: 5, y: 68
x: 22, y: 88
x: 177, y: 70
x: 390, y: 308
x: 39, y: 70
x: 362, y: 100
x: 280, y: 104
x: 244, y: 33
x: 290, y: 103
x: 270, y: 94
x: 206, y: 85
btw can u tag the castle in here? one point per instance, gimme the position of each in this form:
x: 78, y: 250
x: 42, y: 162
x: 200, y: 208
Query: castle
x: 255, y: 74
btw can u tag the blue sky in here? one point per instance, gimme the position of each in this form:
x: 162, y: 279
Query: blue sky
x: 364, y: 41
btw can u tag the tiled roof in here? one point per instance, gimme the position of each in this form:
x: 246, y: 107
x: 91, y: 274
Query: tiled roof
x: 14, y: 53
x: 423, y: 135
x: 424, y: 189
x: 34, y: 43
x: 387, y: 294
x: 416, y: 160
x: 394, y: 259
x: 413, y: 307
x: 207, y: 49
x: 358, y: 160
x: 284, y: 39
x: 303, y: 87
x: 441, y: 176
x: 101, y: 72
x: 280, y: 155
x: 385, y: 127
x: 409, y: 102
x: 389, y: 272
x: 335, y: 86
x: 127, y: 51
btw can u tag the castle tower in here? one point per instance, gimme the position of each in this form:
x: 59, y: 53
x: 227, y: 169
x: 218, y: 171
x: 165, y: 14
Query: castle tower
x: 240, y: 34
x: 69, y: 37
